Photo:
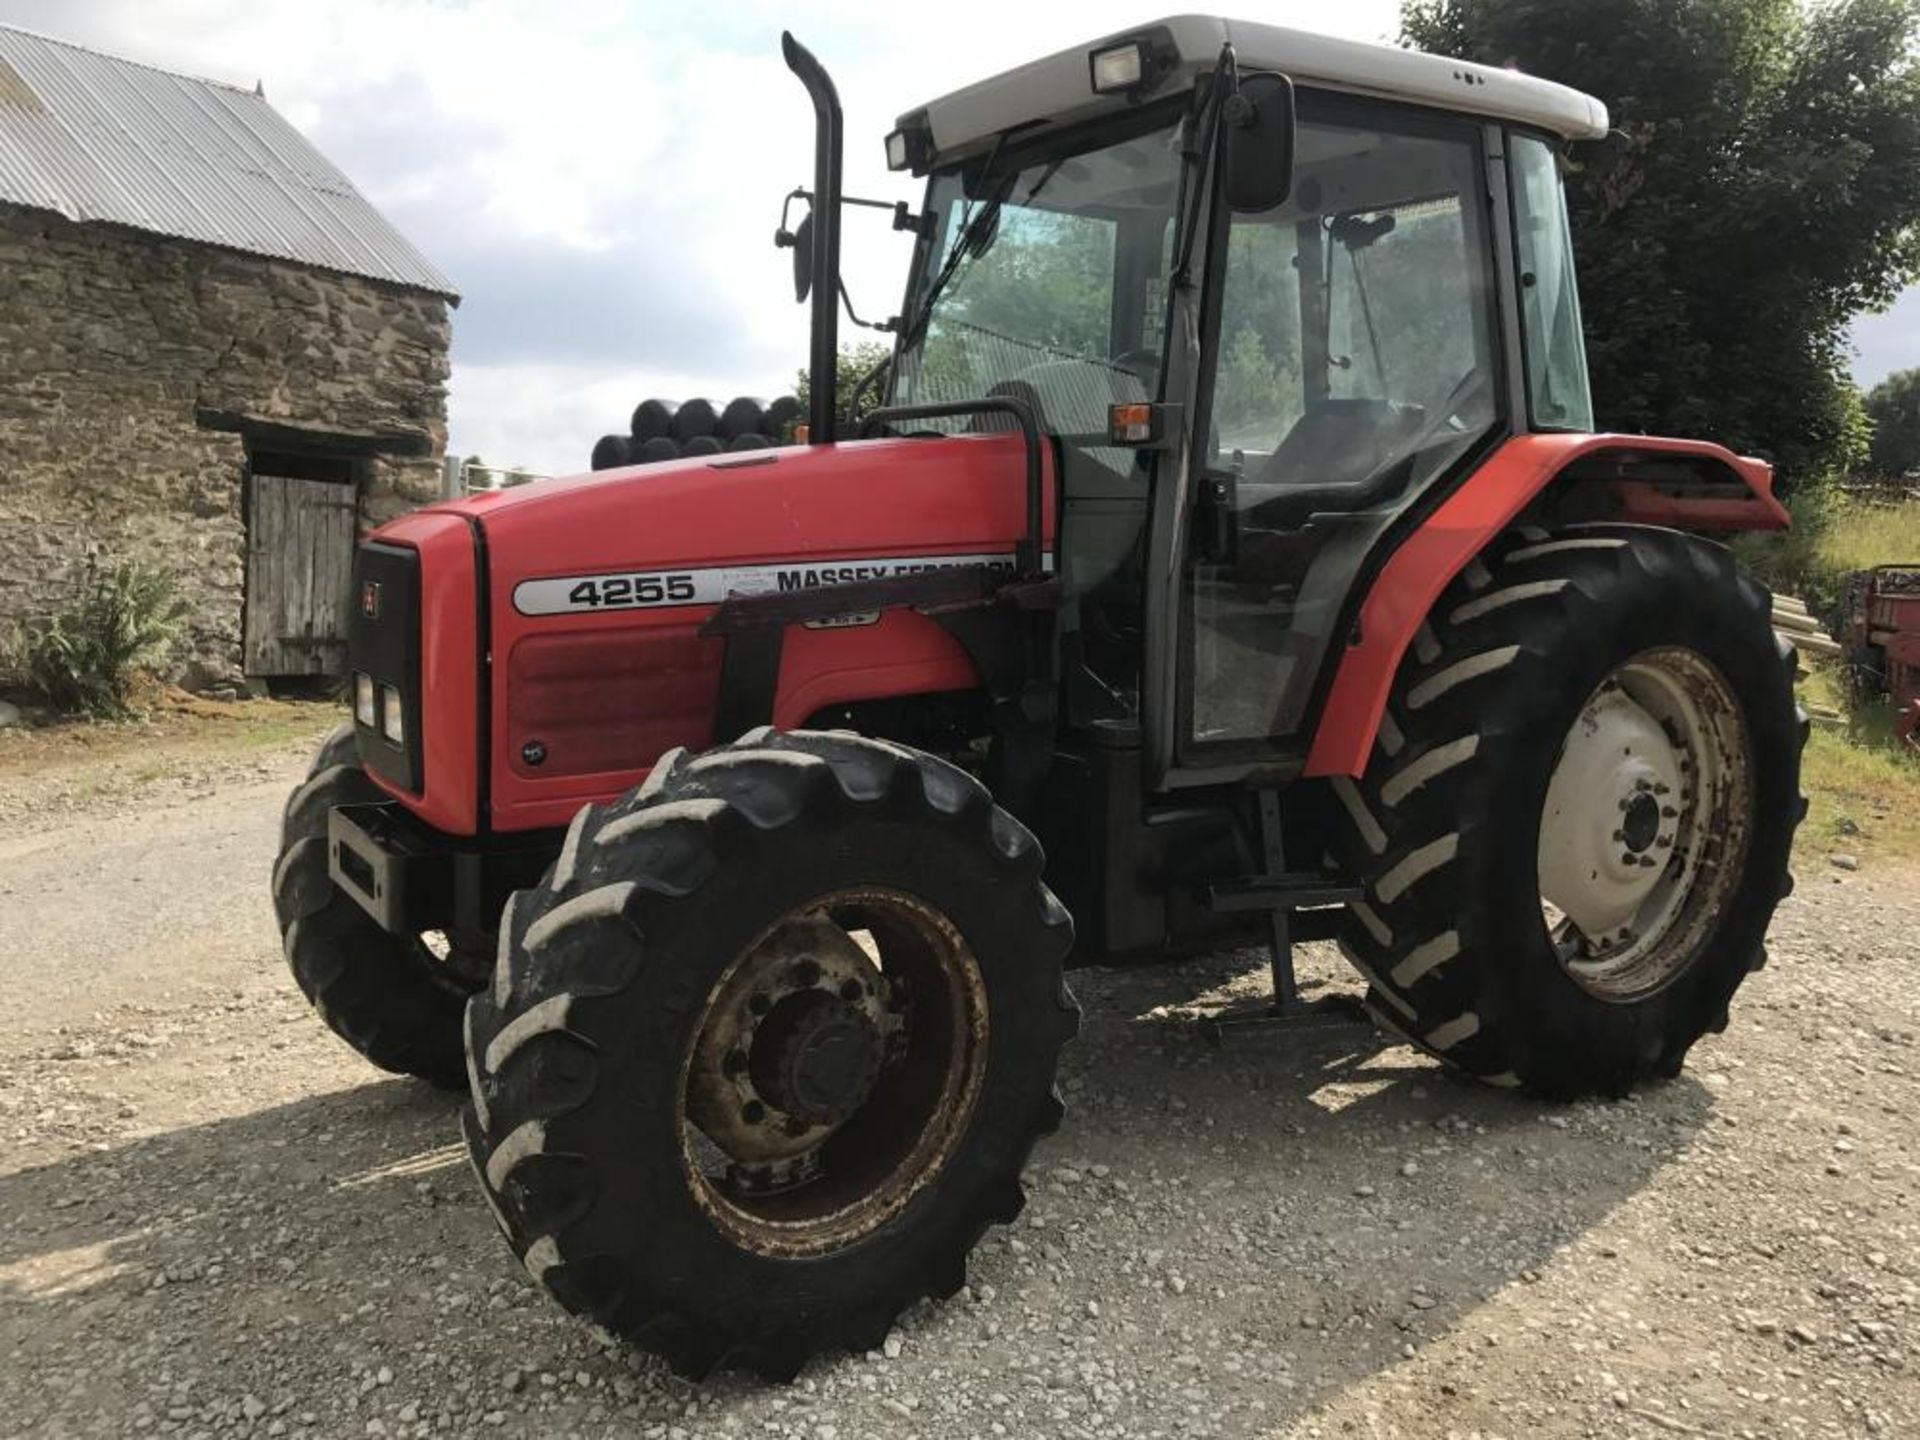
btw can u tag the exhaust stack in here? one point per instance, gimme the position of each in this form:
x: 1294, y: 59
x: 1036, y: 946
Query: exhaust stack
x: 822, y: 368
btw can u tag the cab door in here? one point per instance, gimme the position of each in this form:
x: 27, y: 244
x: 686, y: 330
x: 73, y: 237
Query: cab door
x: 1350, y: 365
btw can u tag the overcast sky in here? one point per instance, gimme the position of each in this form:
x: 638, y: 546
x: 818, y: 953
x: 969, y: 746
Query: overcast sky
x: 601, y: 179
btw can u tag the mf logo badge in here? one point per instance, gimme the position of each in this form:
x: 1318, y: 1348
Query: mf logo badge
x: 370, y: 599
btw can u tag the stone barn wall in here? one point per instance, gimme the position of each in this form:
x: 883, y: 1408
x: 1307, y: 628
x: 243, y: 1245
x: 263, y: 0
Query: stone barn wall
x: 133, y: 368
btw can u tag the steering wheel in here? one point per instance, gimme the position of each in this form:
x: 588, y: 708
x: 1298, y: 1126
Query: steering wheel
x: 1142, y: 364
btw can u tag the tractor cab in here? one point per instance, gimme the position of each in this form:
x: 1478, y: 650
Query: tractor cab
x: 1247, y: 391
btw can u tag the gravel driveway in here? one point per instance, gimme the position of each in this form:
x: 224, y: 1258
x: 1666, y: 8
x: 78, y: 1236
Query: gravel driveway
x: 215, y: 1220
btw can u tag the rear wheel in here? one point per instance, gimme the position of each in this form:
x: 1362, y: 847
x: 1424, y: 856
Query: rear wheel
x: 395, y: 1000
x: 1577, y: 821
x: 766, y: 1052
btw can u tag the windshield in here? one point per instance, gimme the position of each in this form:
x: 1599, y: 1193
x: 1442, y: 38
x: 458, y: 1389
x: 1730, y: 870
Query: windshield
x: 1550, y: 304
x: 1047, y: 277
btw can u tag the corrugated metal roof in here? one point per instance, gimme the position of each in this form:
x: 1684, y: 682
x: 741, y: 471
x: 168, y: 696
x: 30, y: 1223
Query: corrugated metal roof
x: 98, y: 138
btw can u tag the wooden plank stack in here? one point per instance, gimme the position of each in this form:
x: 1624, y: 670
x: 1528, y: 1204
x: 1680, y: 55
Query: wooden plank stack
x: 1800, y: 630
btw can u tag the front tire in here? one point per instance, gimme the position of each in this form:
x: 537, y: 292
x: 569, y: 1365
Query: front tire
x: 765, y: 1053
x: 392, y: 999
x: 1577, y: 821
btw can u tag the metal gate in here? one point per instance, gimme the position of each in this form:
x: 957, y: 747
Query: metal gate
x: 300, y: 538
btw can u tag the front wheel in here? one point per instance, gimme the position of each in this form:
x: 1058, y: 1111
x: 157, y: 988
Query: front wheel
x: 1577, y: 822
x: 765, y: 1052
x: 395, y: 1000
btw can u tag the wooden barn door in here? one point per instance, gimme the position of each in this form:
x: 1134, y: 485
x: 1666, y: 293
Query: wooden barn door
x: 300, y: 539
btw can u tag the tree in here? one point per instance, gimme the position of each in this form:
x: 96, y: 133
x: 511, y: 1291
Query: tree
x: 854, y: 363
x: 1762, y: 187
x: 1894, y: 408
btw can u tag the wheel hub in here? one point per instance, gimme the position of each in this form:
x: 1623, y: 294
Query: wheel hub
x: 817, y: 1058
x: 835, y: 1069
x: 795, y: 1043
x: 1642, y: 823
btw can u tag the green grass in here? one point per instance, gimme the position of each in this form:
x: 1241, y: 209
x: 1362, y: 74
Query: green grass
x: 1861, y: 534
x: 1862, y: 783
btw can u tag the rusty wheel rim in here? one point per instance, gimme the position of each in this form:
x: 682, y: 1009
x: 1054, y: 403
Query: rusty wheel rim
x: 1645, y: 825
x: 834, y: 1069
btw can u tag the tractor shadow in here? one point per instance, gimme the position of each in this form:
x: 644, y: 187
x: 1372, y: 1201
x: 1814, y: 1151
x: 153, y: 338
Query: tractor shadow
x: 1248, y: 1230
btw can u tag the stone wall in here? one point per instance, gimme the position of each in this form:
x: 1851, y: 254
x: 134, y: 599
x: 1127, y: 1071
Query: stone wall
x: 119, y: 350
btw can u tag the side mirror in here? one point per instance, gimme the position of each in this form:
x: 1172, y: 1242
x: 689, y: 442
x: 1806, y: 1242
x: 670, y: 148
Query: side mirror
x: 800, y: 240
x: 803, y: 258
x: 1259, y: 142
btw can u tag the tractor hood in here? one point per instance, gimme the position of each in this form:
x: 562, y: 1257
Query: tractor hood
x: 871, y: 500
x: 578, y: 608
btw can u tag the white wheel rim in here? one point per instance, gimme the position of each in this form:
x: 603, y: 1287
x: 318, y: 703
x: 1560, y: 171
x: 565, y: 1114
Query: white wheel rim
x: 1643, y: 831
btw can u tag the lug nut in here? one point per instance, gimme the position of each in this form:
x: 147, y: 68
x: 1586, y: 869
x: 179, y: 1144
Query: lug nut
x: 753, y: 1112
x: 1668, y: 812
x: 851, y: 991
x: 806, y: 974
x: 1646, y: 862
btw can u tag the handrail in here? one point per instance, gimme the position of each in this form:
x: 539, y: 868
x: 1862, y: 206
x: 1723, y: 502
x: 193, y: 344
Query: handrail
x: 1027, y: 557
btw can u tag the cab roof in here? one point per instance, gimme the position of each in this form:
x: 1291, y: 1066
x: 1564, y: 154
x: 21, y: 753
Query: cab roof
x: 1057, y: 90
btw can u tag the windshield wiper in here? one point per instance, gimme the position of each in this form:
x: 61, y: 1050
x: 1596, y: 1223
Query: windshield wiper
x: 978, y: 230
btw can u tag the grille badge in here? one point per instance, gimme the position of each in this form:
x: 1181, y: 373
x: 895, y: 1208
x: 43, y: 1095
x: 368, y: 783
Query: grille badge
x: 370, y: 599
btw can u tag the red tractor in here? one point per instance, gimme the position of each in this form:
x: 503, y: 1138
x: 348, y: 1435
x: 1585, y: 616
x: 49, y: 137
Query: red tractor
x: 1233, y: 522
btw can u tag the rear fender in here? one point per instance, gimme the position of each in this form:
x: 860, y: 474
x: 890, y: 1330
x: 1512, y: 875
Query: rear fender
x: 1636, y: 479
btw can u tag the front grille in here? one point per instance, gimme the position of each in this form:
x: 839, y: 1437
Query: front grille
x: 383, y: 643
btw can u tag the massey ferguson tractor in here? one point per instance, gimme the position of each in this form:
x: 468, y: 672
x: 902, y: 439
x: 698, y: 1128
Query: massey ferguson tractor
x: 1233, y: 522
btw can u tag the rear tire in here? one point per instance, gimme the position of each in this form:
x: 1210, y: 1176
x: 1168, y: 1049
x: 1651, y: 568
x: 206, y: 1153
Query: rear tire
x: 389, y: 998
x: 592, y: 1126
x: 1533, y: 642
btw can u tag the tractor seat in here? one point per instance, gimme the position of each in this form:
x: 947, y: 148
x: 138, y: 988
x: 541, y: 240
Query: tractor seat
x: 1339, y: 442
x: 1332, y: 460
